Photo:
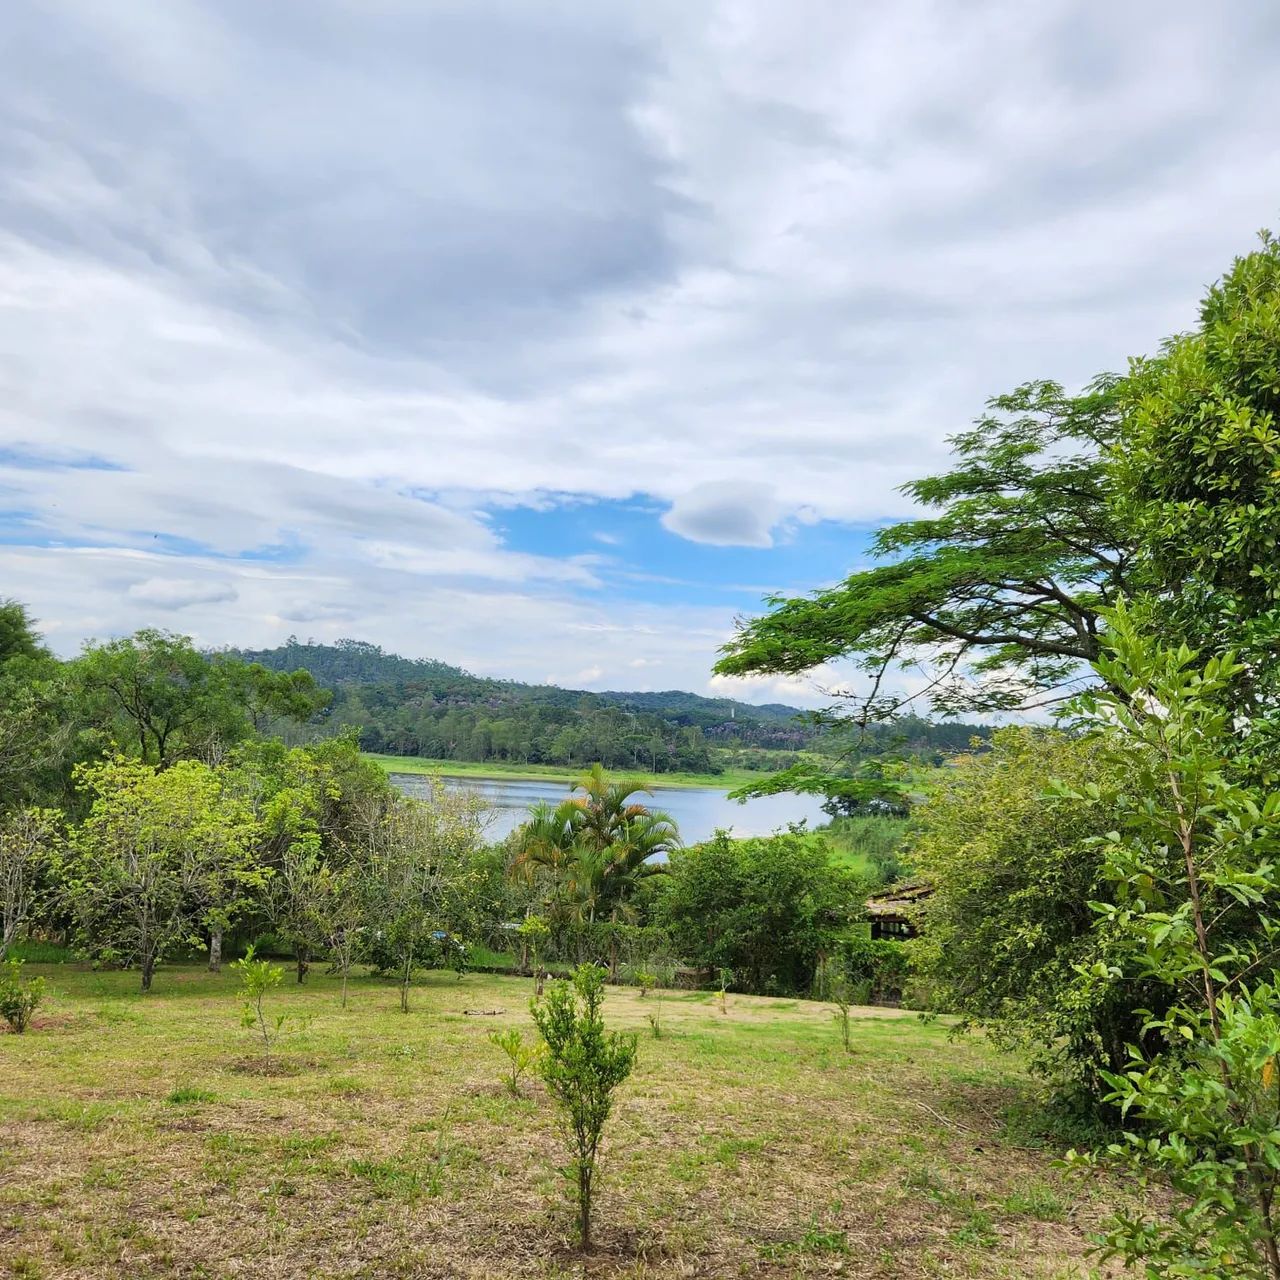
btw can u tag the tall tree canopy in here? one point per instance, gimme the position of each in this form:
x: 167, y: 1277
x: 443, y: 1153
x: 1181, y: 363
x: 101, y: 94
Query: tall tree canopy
x: 995, y: 595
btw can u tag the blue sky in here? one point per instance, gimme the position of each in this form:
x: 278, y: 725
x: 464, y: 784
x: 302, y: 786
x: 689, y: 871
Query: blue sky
x: 546, y: 339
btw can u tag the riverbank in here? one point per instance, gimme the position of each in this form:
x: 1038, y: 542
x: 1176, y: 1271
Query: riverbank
x: 727, y: 781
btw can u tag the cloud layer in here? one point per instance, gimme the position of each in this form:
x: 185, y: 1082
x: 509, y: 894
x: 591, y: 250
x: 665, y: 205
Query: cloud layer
x: 297, y: 299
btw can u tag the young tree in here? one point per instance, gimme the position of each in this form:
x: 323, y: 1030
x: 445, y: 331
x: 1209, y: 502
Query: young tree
x: 417, y: 860
x: 1193, y: 865
x: 258, y: 978
x: 28, y: 841
x: 582, y: 1068
x: 136, y: 873
x: 596, y: 848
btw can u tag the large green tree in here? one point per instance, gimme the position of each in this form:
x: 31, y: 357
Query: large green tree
x: 1197, y: 476
x: 156, y: 695
x: 993, y: 594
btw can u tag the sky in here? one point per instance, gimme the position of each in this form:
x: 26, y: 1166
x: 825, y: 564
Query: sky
x: 546, y: 339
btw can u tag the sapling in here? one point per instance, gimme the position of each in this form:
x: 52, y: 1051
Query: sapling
x: 257, y: 978
x: 19, y: 998
x: 726, y: 978
x: 646, y: 980
x: 841, y: 996
x: 582, y: 1067
x: 533, y: 932
x: 521, y: 1056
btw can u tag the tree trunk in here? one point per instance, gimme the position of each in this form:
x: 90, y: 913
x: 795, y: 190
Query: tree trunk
x: 345, y: 973
x: 303, y: 966
x: 584, y: 1206
x: 215, y: 951
x: 148, y: 970
x: 404, y: 982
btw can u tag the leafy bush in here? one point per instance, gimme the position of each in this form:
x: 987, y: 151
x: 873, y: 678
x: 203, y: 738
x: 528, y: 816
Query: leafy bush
x: 767, y: 908
x: 521, y: 1056
x: 880, y: 966
x: 19, y: 997
x: 1194, y: 876
x: 1008, y: 928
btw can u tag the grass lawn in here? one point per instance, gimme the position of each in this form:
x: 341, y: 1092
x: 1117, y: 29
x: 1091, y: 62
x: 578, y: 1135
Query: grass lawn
x: 141, y: 1137
x: 726, y: 781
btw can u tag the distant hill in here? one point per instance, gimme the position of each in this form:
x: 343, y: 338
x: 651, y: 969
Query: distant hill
x: 421, y: 707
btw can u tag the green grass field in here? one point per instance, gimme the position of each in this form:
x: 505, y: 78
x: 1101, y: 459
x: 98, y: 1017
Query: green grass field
x: 145, y: 1137
x: 726, y: 781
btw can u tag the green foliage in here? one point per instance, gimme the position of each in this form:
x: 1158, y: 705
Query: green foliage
x: 156, y: 694
x: 767, y: 908
x: 258, y: 978
x: 29, y: 839
x: 583, y: 1067
x: 1004, y: 580
x: 873, y: 787
x: 878, y: 966
x: 158, y: 848
x: 1009, y: 922
x: 18, y: 636
x: 416, y: 860
x: 1197, y: 476
x: 593, y: 851
x: 521, y: 1056
x: 1195, y: 882
x: 841, y: 994
x: 19, y: 997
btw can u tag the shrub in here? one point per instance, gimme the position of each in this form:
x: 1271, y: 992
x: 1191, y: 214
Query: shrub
x: 1008, y: 931
x: 879, y: 966
x: 521, y: 1056
x: 257, y: 979
x: 19, y: 998
x: 767, y: 908
x: 583, y: 1067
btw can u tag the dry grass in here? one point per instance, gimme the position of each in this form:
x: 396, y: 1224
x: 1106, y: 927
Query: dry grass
x: 134, y: 1142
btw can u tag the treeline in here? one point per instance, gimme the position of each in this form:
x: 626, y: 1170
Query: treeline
x: 412, y: 707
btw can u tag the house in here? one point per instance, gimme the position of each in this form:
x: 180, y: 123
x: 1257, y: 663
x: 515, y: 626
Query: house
x: 893, y: 913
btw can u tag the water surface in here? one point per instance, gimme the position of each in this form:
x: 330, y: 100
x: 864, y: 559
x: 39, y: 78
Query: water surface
x: 698, y: 811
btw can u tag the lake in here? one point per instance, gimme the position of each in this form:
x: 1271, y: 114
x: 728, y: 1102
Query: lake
x: 698, y: 811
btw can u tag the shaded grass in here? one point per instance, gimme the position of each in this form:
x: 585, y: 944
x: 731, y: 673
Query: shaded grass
x: 745, y: 1143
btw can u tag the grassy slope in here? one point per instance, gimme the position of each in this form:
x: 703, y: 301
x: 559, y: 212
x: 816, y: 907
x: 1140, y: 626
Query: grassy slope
x: 137, y: 1138
x: 541, y: 772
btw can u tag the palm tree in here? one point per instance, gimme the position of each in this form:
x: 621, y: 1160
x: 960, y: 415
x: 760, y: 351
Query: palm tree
x: 597, y: 846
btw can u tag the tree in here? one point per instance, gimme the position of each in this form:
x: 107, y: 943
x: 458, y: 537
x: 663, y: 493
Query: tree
x: 136, y: 873
x: 18, y: 636
x: 768, y: 908
x: 1008, y: 925
x: 597, y: 847
x: 416, y: 861
x: 29, y: 839
x: 996, y: 596
x: 1195, y: 886
x: 157, y: 693
x: 1197, y: 475
x: 314, y: 807
x: 582, y: 1067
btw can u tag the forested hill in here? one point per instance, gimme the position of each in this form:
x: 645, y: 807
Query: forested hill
x: 420, y: 707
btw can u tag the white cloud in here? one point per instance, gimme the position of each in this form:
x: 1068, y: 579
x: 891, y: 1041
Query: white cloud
x: 726, y: 514
x: 334, y: 279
